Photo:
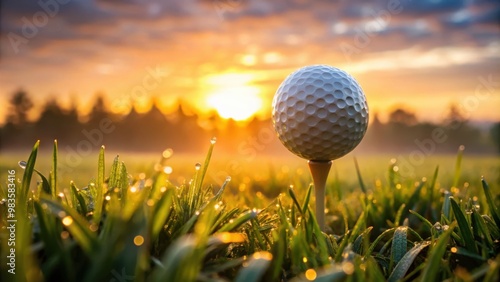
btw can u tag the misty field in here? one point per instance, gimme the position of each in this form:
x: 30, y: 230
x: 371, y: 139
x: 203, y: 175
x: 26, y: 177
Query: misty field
x: 169, y: 217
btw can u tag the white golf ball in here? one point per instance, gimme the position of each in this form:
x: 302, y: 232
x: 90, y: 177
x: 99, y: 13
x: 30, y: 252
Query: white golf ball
x: 320, y: 113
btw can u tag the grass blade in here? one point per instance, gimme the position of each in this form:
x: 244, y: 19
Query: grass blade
x: 399, y: 242
x: 378, y: 240
x: 255, y: 268
x: 328, y: 274
x: 53, y: 175
x: 307, y: 199
x: 446, y: 204
x: 458, y: 165
x: 432, y: 186
x: 176, y: 262
x: 99, y: 188
x: 360, y: 179
x: 161, y: 212
x: 463, y: 227
x: 433, y: 262
x: 29, y: 168
x: 357, y: 245
x: 207, y: 160
x: 480, y: 227
x: 489, y: 199
x: 406, y: 261
x: 75, y: 223
x: 399, y: 213
x: 423, y: 219
x: 231, y: 226
x: 80, y: 202
x: 294, y: 198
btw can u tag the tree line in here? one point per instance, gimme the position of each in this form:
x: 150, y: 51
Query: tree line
x: 156, y: 131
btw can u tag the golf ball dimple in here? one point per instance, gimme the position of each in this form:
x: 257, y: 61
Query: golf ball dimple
x: 320, y: 113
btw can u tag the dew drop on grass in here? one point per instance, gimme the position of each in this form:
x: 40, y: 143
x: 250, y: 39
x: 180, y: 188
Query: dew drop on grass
x: 22, y: 164
x: 157, y: 167
x: 168, y: 170
x: 311, y: 274
x: 197, y: 166
x: 213, y: 140
x: 228, y: 178
x: 67, y: 221
x: 138, y: 240
x: 348, y: 268
x: 64, y: 235
x: 167, y: 153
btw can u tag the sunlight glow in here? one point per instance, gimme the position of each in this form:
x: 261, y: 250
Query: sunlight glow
x: 233, y: 96
x: 236, y: 102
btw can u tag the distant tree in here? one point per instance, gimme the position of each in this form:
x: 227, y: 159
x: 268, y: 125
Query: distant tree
x: 377, y: 133
x: 56, y: 123
x: 99, y: 112
x: 455, y: 118
x: 20, y: 105
x: 460, y: 132
x: 403, y: 117
x: 495, y: 135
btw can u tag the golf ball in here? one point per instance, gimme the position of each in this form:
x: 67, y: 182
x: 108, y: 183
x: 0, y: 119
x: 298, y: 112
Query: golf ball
x: 320, y: 113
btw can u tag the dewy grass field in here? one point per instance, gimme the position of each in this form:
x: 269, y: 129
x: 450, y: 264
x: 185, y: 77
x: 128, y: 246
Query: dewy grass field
x: 146, y: 226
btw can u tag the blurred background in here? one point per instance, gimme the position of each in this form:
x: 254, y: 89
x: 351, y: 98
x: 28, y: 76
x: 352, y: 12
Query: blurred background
x: 145, y: 75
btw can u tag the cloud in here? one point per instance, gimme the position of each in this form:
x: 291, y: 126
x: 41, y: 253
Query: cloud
x: 108, y: 42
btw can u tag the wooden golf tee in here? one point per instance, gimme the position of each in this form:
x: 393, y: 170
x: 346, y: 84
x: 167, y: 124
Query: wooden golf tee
x: 319, y: 171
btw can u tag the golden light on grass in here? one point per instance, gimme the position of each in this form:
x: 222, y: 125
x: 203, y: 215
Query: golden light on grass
x: 227, y: 237
x: 262, y: 255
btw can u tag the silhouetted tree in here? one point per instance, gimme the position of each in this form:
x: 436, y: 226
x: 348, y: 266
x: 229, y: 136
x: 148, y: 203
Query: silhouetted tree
x: 403, y: 117
x: 495, y: 135
x: 57, y: 123
x: 20, y: 105
x: 455, y: 119
x: 98, y: 113
x: 460, y: 132
x: 376, y: 134
x: 17, y: 130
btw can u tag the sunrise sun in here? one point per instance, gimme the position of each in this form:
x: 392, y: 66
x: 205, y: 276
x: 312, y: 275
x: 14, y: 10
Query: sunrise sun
x: 236, y: 102
x: 233, y: 96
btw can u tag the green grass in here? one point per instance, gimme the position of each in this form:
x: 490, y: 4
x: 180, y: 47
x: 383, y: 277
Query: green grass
x: 147, y: 224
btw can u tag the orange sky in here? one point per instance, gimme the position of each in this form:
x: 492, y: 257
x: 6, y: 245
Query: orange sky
x: 232, y: 55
